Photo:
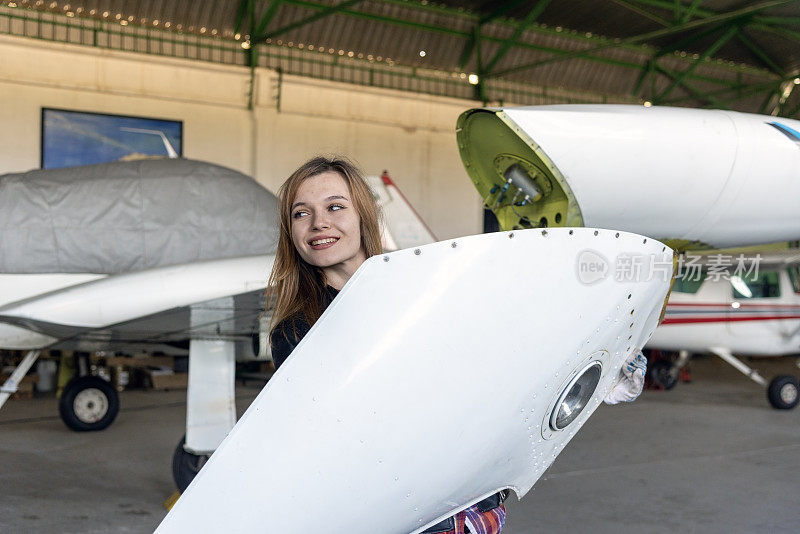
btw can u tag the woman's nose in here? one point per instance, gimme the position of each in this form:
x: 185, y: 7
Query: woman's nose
x: 321, y: 221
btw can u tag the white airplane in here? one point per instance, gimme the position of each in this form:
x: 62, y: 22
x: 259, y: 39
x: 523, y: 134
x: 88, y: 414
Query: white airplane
x: 726, y: 313
x: 693, y: 178
x: 162, y: 255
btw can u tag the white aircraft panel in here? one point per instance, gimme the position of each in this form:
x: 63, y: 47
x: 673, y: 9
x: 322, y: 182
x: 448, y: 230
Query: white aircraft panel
x: 712, y: 177
x: 428, y: 384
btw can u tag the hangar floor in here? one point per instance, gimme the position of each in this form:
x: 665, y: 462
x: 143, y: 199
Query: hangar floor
x: 710, y: 456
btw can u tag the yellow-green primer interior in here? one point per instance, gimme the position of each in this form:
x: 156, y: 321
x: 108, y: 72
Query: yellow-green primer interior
x: 489, y: 143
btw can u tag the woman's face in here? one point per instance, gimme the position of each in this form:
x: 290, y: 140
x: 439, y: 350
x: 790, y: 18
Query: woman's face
x: 325, y: 224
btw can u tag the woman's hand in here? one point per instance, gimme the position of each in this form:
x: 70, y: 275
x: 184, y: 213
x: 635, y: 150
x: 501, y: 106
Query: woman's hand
x: 631, y: 383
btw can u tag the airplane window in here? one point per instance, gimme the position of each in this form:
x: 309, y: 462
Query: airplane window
x: 687, y: 281
x: 794, y: 276
x: 765, y: 285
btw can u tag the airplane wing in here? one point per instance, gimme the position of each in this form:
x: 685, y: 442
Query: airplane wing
x: 151, y: 306
x: 101, y: 255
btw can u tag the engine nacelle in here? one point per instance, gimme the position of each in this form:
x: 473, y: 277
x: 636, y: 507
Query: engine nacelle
x: 692, y: 178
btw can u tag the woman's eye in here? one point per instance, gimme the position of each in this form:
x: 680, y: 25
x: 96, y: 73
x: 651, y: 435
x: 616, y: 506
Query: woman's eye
x: 298, y: 214
x: 336, y: 207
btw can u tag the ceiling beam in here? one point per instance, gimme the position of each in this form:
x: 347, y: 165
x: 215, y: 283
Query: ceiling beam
x: 327, y: 11
x: 522, y: 25
x: 520, y: 44
x: 636, y: 39
x: 266, y: 18
x: 742, y: 91
x: 689, y: 13
x: 724, y: 38
x: 240, y: 14
x: 471, y: 42
x: 697, y: 94
x: 693, y: 9
x: 643, y: 12
x: 760, y: 54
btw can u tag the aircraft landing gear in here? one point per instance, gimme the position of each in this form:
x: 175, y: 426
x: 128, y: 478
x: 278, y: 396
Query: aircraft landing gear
x: 88, y: 403
x: 662, y: 371
x: 782, y: 392
x: 186, y: 465
x: 663, y: 374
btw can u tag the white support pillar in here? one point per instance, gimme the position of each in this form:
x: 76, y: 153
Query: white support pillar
x: 210, y: 401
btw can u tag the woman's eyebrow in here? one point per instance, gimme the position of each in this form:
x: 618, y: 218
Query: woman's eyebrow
x: 332, y: 197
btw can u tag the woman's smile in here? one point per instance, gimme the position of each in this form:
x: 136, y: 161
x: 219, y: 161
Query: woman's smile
x: 323, y: 242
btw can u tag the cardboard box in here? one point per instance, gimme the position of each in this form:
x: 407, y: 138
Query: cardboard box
x: 161, y: 380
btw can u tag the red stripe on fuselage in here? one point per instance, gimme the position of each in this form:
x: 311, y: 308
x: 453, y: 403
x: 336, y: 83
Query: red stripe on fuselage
x: 741, y: 305
x: 731, y: 319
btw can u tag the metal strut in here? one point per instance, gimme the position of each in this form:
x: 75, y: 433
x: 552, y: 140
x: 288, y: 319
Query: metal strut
x: 749, y: 372
x: 12, y: 384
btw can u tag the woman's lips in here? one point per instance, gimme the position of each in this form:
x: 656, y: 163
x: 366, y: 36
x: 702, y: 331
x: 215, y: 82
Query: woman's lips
x: 323, y: 242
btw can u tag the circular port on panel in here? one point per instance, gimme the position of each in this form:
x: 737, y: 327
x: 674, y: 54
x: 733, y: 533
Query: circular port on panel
x: 575, y: 396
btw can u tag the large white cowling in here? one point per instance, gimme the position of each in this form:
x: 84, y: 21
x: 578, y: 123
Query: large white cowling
x: 431, y: 382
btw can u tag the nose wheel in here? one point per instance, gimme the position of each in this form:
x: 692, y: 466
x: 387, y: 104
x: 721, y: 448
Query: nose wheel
x: 186, y: 465
x: 88, y: 403
x: 782, y: 392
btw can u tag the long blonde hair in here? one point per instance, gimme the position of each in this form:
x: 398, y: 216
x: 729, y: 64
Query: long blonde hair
x: 296, y: 286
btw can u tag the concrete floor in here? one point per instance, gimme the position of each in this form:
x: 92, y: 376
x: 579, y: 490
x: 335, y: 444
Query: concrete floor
x: 710, y: 456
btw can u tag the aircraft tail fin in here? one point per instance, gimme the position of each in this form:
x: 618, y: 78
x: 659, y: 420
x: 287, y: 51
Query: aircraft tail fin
x: 402, y: 227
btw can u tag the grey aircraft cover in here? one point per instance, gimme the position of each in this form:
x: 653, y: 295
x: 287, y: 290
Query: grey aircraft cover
x: 129, y: 216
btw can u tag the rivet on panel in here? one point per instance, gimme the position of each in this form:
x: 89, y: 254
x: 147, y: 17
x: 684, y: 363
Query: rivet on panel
x: 544, y: 233
x: 511, y: 235
x: 571, y: 232
x: 386, y: 258
x: 454, y: 244
x: 417, y: 251
x: 616, y: 235
x: 596, y: 232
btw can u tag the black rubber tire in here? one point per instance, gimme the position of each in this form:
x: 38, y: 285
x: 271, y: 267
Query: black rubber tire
x: 185, y: 466
x: 67, y: 408
x: 660, y: 375
x: 782, y: 392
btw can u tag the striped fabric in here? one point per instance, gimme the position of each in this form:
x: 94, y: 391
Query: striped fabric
x: 474, y: 522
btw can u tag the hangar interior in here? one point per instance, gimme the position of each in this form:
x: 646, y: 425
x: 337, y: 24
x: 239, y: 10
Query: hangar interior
x: 260, y: 85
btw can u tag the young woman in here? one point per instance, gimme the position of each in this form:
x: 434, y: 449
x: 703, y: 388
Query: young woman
x: 328, y: 228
